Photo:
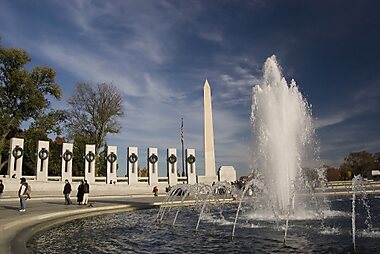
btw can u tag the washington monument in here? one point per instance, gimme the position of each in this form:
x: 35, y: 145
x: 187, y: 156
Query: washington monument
x: 209, y: 150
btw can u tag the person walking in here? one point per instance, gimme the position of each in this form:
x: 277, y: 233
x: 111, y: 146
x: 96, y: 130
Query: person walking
x: 80, y: 193
x: 66, y: 192
x: 86, y: 191
x: 22, y: 194
x: 1, y: 188
x: 155, y: 191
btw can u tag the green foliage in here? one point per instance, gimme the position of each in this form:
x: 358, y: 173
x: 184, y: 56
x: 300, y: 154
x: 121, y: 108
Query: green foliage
x: 333, y: 174
x: 101, y: 163
x: 360, y: 163
x: 345, y: 171
x: 80, y: 142
x: 23, y: 95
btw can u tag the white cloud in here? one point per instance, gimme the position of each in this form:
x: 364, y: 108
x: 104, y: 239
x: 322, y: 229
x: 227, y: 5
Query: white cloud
x: 330, y: 120
x: 88, y: 66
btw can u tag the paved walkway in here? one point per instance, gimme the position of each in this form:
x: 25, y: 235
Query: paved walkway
x: 17, y: 227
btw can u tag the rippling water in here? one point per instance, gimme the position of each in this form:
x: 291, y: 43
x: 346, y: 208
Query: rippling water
x: 138, y: 232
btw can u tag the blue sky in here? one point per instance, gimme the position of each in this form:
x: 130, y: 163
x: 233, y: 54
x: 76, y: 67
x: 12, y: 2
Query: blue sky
x: 160, y: 52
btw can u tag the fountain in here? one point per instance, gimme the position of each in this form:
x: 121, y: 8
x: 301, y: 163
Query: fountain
x: 358, y: 188
x: 283, y: 131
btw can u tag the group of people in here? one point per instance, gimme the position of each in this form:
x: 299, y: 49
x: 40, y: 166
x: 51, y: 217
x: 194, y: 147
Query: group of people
x: 25, y: 190
x: 82, y: 193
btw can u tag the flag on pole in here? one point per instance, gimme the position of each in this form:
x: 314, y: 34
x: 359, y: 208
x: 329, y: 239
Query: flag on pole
x: 182, y: 130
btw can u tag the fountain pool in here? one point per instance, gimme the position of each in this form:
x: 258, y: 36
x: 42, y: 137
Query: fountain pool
x: 139, y: 232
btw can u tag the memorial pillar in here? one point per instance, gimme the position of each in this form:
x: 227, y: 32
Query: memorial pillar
x: 42, y: 161
x: 153, y: 166
x: 89, y: 164
x: 190, y: 166
x: 16, y: 154
x: 111, y: 164
x: 172, y: 166
x: 132, y: 162
x: 67, y: 162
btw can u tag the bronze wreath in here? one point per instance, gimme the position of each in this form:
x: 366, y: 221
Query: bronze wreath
x: 133, y: 158
x: 17, y: 152
x: 67, y: 155
x: 90, y: 156
x: 43, y: 154
x: 190, y: 159
x: 153, y: 158
x: 172, y: 159
x: 112, y: 157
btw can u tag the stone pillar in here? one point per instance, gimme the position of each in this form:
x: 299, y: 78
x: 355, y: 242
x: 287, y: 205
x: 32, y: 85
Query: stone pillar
x: 42, y: 161
x: 132, y: 162
x: 153, y: 166
x: 172, y: 166
x: 16, y: 154
x: 67, y: 162
x: 89, y: 164
x: 111, y: 164
x: 190, y: 166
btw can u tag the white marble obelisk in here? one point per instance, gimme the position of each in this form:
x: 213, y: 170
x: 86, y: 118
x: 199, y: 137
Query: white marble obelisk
x: 209, y: 150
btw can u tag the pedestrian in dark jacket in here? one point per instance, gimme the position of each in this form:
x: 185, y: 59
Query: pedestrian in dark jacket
x: 66, y: 192
x: 1, y: 188
x: 23, y: 194
x: 86, y: 191
x: 80, y: 193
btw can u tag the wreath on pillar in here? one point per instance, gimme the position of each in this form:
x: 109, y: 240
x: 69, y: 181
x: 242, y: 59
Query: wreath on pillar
x: 90, y: 156
x: 112, y: 157
x: 67, y: 155
x: 17, y: 152
x: 190, y: 159
x: 133, y: 158
x: 153, y: 158
x: 172, y: 159
x: 43, y: 154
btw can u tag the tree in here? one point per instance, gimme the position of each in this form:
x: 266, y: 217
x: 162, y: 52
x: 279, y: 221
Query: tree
x: 345, y: 171
x: 376, y: 156
x: 360, y: 163
x: 23, y: 94
x: 333, y: 174
x: 94, y: 113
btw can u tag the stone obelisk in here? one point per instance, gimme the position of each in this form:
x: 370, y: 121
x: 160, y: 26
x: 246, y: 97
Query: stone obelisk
x: 209, y: 150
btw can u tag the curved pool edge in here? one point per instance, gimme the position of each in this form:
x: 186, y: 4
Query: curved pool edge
x: 18, y: 244
x: 19, y: 232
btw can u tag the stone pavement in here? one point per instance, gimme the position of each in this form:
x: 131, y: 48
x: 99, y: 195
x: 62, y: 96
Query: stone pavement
x: 17, y: 227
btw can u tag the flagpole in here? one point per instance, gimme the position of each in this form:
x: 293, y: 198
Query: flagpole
x: 182, y: 142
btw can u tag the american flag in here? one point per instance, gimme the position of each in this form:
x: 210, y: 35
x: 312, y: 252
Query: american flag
x: 182, y: 130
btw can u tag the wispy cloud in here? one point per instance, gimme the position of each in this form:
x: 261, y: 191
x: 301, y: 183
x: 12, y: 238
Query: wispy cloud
x: 332, y: 119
